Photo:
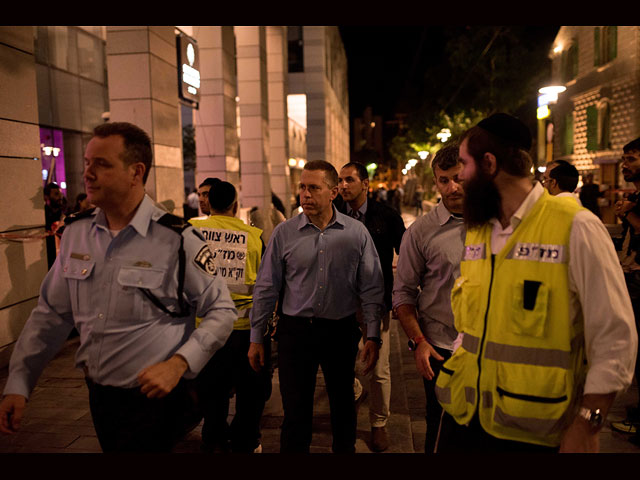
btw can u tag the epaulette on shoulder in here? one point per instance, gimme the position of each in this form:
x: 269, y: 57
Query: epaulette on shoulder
x: 175, y: 223
x: 69, y: 219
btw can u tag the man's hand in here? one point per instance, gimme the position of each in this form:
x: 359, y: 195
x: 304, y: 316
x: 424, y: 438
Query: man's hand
x: 623, y: 206
x: 11, y: 411
x: 156, y: 381
x: 256, y: 356
x: 579, y: 438
x: 423, y: 353
x: 369, y: 356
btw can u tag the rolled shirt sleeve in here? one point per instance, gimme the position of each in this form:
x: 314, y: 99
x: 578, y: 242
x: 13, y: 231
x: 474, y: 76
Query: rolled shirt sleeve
x: 611, y: 340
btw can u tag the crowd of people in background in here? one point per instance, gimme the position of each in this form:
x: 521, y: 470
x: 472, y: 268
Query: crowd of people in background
x: 521, y: 315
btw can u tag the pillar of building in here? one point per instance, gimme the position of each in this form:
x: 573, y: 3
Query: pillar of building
x: 215, y: 120
x: 254, y: 116
x: 23, y: 255
x: 143, y: 90
x: 277, y: 76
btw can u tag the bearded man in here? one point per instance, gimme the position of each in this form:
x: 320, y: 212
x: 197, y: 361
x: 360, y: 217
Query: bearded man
x: 547, y: 324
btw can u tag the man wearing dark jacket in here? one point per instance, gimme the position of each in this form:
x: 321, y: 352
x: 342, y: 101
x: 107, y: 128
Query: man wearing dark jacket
x: 386, y: 228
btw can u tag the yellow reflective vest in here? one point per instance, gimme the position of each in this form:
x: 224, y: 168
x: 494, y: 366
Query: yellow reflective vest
x: 237, y: 251
x: 521, y: 365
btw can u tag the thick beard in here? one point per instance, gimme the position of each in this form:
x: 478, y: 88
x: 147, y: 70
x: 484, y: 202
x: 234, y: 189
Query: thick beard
x: 482, y: 200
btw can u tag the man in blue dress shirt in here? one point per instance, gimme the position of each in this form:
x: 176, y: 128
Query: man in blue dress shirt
x: 321, y: 265
x: 131, y: 283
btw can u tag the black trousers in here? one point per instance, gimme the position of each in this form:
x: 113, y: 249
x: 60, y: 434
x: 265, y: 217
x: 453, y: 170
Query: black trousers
x: 303, y: 345
x: 433, y: 408
x: 455, y: 438
x: 632, y: 280
x: 229, y: 370
x: 126, y: 420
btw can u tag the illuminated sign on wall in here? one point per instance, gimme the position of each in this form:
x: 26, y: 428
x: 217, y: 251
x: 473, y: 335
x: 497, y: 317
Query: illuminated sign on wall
x: 188, y: 69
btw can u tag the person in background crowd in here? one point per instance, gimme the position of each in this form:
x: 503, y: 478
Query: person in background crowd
x: 548, y: 336
x: 561, y: 179
x: 628, y: 210
x: 237, y: 249
x: 428, y: 264
x: 53, y: 217
x: 386, y: 229
x: 589, y: 195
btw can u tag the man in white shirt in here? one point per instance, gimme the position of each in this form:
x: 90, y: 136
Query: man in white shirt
x: 561, y: 179
x: 549, y: 336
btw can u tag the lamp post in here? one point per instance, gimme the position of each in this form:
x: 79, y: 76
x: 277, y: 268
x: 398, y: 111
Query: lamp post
x: 546, y: 96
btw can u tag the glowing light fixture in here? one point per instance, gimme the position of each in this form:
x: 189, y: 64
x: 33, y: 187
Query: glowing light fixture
x: 293, y: 162
x: 443, y: 135
x: 301, y: 163
x: 557, y: 48
x: 404, y: 171
x: 423, y: 154
x: 542, y: 169
x: 543, y: 112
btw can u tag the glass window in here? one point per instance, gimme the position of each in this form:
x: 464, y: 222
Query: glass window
x: 65, y: 100
x: 90, y: 57
x: 63, y: 51
x: 295, y: 49
x: 45, y: 111
x: 568, y: 135
x: 93, y: 101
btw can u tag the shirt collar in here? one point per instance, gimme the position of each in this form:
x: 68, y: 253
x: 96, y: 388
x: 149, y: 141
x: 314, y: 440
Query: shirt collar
x: 362, y: 209
x: 527, y: 204
x: 304, y: 220
x: 443, y: 214
x: 140, y: 222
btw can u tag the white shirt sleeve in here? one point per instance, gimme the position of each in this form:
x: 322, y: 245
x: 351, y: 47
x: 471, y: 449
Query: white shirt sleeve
x: 599, y: 292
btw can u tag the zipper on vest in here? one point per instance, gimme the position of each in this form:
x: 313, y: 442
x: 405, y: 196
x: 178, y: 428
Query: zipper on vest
x: 484, y: 330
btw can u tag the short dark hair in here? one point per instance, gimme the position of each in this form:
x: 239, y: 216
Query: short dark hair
x: 330, y: 173
x: 209, y: 181
x: 510, y: 158
x: 632, y: 145
x: 137, y: 144
x: 50, y: 186
x: 222, y: 195
x: 363, y: 174
x: 446, y: 158
x: 565, y: 174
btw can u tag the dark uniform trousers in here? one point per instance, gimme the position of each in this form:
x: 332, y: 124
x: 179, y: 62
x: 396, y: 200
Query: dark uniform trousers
x: 229, y: 370
x: 303, y: 345
x: 126, y: 420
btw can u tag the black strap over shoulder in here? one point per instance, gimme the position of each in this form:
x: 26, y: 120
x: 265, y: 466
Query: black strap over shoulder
x: 178, y: 225
x: 69, y: 219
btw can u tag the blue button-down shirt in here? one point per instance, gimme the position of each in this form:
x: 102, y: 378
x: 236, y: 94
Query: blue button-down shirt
x: 324, y: 273
x: 93, y: 285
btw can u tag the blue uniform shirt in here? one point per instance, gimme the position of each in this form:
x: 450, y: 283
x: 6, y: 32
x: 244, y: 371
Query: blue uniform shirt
x: 93, y: 285
x: 325, y: 274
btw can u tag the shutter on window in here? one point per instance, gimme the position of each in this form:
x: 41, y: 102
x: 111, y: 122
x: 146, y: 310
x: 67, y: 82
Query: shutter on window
x: 592, y: 128
x: 612, y: 33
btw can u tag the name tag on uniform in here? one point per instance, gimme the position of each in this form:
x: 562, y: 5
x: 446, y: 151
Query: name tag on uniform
x: 475, y: 252
x: 81, y: 256
x: 538, y: 252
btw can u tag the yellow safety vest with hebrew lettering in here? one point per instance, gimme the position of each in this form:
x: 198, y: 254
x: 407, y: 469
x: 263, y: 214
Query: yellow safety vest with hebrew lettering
x: 237, y: 250
x: 521, y: 366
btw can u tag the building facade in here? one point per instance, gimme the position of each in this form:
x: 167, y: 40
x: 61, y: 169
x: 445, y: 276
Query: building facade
x: 64, y: 81
x: 600, y: 110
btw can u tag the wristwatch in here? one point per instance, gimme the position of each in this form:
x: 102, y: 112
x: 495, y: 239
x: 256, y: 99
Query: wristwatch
x: 413, y: 342
x: 377, y: 340
x: 593, y: 417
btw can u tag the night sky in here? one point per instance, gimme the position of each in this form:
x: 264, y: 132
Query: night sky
x: 386, y: 64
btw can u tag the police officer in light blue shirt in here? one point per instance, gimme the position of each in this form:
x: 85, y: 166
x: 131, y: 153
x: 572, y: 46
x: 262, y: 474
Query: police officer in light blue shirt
x: 131, y: 279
